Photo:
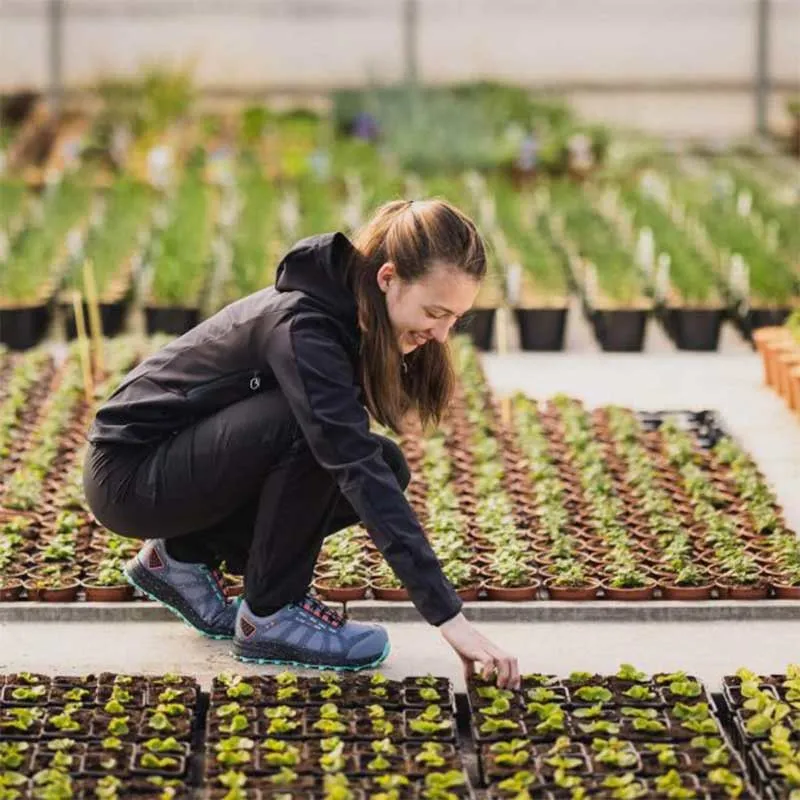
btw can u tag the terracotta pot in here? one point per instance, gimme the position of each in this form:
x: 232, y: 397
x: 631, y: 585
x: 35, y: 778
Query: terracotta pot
x: 11, y: 590
x: 583, y: 593
x: 35, y: 572
x: 468, y: 593
x: 235, y: 590
x: 64, y: 594
x: 762, y: 337
x: 108, y: 594
x: 774, y: 349
x: 513, y: 593
x: 388, y: 593
x: 794, y: 389
x: 18, y: 572
x: 633, y: 594
x: 675, y: 592
x: 341, y: 594
x: 785, y: 591
x: 729, y: 592
x: 8, y: 514
x: 787, y: 362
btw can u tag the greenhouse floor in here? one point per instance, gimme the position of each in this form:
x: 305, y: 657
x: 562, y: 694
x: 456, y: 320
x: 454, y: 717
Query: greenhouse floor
x: 707, y: 650
x: 705, y: 642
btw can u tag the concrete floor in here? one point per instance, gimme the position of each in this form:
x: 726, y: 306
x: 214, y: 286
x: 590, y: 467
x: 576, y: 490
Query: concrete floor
x: 708, y: 650
x: 729, y: 381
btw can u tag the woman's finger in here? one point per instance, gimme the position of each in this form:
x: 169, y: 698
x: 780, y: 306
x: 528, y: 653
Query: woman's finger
x: 515, y: 677
x: 469, y: 668
x: 503, y: 672
x: 489, y: 666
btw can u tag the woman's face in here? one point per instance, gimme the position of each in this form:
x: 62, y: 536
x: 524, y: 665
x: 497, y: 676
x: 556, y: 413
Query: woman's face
x: 427, y: 308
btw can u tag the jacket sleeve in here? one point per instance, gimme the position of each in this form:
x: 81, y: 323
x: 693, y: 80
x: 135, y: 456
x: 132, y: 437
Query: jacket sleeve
x: 317, y: 377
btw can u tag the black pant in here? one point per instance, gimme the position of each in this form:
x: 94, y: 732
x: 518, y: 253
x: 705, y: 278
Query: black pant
x: 240, y: 485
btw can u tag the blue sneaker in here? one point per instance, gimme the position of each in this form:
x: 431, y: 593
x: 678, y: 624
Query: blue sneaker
x: 192, y: 591
x: 308, y: 634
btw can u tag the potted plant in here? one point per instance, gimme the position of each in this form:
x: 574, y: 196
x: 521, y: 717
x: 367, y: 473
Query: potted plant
x: 341, y: 582
x: 628, y: 582
x: 36, y: 265
x: 688, y: 582
x: 386, y: 585
x: 570, y: 581
x: 180, y: 273
x: 55, y: 587
x: 107, y: 583
x: 509, y: 576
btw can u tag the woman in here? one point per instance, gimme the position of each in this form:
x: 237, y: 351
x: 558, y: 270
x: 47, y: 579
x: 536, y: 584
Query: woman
x: 247, y: 440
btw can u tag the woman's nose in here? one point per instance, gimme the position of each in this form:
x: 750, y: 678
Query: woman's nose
x: 442, y: 329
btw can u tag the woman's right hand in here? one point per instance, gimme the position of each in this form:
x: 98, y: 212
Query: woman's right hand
x: 474, y: 648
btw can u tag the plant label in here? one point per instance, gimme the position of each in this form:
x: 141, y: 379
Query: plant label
x: 52, y: 178
x: 541, y: 199
x: 289, y: 214
x: 75, y: 242
x: 159, y: 165
x: 72, y: 152
x: 220, y: 167
x: 320, y: 164
x: 229, y: 211
x: 744, y: 203
x: 121, y: 140
x: 646, y: 251
x: 514, y: 282
x: 488, y: 211
x: 739, y: 276
x: 351, y: 214
x: 662, y: 281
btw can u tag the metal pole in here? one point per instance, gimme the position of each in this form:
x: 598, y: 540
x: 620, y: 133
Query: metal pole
x: 55, y: 41
x: 410, y: 34
x: 762, y: 76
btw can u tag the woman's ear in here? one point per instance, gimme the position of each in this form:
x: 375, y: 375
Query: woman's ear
x: 385, y: 275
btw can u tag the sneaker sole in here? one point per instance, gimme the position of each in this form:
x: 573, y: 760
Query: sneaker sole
x: 280, y: 662
x: 143, y: 580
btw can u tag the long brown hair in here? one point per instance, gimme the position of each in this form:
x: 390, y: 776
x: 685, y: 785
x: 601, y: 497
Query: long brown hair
x: 413, y: 235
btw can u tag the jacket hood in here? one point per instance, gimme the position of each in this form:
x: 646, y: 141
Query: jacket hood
x: 316, y: 266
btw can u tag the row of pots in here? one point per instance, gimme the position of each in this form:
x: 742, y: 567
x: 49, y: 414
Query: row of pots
x: 780, y: 355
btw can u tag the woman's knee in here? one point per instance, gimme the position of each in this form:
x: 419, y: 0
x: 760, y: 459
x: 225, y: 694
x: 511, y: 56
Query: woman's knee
x: 393, y: 456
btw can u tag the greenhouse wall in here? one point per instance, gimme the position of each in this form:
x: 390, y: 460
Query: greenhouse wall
x: 698, y: 54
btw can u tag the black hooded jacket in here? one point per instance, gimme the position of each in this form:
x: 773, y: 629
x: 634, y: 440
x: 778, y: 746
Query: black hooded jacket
x: 300, y: 335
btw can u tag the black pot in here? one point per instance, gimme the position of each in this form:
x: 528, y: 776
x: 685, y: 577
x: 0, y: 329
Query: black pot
x: 694, y: 328
x: 175, y: 320
x: 479, y: 324
x: 21, y: 328
x: 762, y: 317
x: 620, y: 331
x: 112, y: 318
x: 541, y: 328
x: 15, y: 107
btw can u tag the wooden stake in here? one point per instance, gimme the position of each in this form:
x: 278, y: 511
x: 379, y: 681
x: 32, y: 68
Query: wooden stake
x: 502, y: 349
x: 83, y: 348
x: 95, y: 321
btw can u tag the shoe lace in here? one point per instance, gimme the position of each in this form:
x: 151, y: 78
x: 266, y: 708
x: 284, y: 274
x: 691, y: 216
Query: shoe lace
x: 216, y: 576
x: 322, y: 612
